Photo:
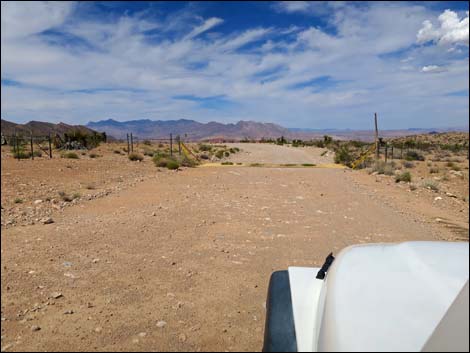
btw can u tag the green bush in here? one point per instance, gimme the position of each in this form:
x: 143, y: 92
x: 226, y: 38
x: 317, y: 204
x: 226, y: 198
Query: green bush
x: 147, y: 142
x: 227, y: 163
x: 70, y: 155
x: 431, y: 184
x: 117, y: 151
x: 227, y: 153
x: 18, y: 200
x: 187, y: 162
x: 414, y: 156
x: 434, y: 170
x: 405, y: 177
x: 93, y: 155
x: 136, y: 157
x: 172, y: 165
x: 205, y: 148
x: 308, y: 164
x: 37, y: 153
x: 343, y: 156
x: 219, y: 154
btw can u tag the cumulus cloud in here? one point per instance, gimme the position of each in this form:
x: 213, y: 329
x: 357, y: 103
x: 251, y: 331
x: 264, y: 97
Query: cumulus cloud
x: 452, y: 30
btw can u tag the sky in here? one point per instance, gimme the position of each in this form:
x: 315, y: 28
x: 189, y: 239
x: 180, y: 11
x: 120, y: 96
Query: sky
x: 298, y: 64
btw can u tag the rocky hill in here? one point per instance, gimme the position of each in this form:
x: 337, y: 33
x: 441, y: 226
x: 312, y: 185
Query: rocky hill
x: 39, y: 128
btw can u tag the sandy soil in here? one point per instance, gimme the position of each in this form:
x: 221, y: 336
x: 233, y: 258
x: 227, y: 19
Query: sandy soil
x: 181, y: 260
x: 270, y: 153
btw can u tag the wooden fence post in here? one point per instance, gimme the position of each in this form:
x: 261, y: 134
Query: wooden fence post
x: 179, y: 145
x: 132, y: 143
x: 50, y: 146
x: 392, y: 152
x: 386, y: 152
x: 377, y: 152
x: 128, y: 145
x: 17, y: 147
x: 171, y: 144
x: 32, y: 151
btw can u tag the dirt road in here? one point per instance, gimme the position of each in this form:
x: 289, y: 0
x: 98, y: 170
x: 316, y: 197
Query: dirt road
x: 270, y: 153
x: 181, y: 261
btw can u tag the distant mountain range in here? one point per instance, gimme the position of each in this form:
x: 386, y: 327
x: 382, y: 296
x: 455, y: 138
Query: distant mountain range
x: 193, y: 130
x: 39, y: 128
x: 147, y: 129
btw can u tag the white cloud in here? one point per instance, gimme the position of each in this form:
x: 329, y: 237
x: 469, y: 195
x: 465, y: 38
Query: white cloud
x: 23, y: 18
x: 433, y: 68
x: 207, y: 25
x: 452, y: 30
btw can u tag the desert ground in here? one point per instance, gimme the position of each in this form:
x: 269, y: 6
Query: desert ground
x: 144, y: 258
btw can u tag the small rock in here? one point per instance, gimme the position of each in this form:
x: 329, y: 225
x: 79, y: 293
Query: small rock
x: 98, y: 329
x: 95, y: 261
x: 437, y: 198
x: 161, y: 324
x: 47, y: 220
x: 68, y: 312
x: 154, y: 214
x: 182, y: 337
x: 37, y: 202
x: 56, y: 295
x: 451, y: 195
x: 35, y: 328
x: 142, y: 334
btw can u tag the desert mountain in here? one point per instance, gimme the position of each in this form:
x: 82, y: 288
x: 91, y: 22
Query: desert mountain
x: 192, y: 129
x: 39, y: 128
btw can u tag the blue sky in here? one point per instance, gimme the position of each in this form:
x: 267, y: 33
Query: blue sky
x: 298, y: 64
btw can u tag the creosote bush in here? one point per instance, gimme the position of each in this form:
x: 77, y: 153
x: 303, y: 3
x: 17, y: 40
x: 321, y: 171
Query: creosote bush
x: 405, y: 177
x: 136, y: 157
x: 70, y: 155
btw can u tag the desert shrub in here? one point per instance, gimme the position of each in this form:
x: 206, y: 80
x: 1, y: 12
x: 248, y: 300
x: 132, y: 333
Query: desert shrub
x: 18, y: 200
x: 93, y: 155
x: 433, y: 170
x: 232, y: 150
x: 454, y: 166
x: 148, y: 152
x: 187, y: 162
x: 408, y: 165
x: 90, y: 187
x: 413, y: 187
x: 205, y: 148
x: 117, y: 151
x: 227, y: 163
x: 76, y: 196
x: 227, y: 153
x: 414, y: 156
x: 172, y: 164
x: 219, y: 154
x: 83, y: 153
x: 70, y: 155
x: 21, y: 155
x: 405, y: 177
x: 289, y: 165
x: 147, y: 142
x: 37, y: 153
x: 308, y: 164
x: 343, y: 156
x: 323, y: 153
x: 136, y: 157
x: 431, y: 184
x: 256, y: 165
x: 204, y: 156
